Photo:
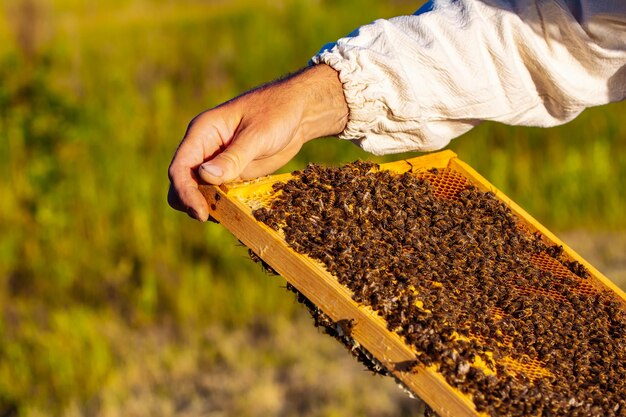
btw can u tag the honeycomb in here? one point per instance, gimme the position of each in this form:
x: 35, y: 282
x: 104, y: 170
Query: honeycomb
x: 446, y: 184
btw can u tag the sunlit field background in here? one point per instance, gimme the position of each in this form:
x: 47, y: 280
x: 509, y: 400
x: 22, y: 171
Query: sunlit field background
x: 112, y: 304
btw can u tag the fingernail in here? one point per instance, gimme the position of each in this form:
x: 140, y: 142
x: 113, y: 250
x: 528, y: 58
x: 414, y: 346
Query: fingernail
x: 213, y: 170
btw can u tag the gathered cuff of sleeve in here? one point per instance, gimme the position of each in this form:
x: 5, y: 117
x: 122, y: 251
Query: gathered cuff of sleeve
x: 385, y: 113
x: 362, y: 112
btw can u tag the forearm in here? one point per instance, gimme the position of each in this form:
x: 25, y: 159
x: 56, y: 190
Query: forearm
x: 314, y: 96
x: 416, y: 82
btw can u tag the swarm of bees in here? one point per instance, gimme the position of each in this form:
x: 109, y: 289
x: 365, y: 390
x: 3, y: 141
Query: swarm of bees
x: 463, y: 282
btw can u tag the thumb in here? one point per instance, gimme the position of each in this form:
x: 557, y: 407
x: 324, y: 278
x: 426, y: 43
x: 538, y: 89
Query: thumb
x: 229, y: 164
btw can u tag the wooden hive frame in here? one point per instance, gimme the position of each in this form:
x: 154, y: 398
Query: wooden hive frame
x: 232, y: 206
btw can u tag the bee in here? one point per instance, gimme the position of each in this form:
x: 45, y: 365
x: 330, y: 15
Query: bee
x: 464, y: 253
x: 264, y: 265
x: 344, y: 327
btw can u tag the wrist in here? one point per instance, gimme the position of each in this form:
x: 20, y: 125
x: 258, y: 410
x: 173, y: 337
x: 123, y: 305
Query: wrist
x: 324, y: 107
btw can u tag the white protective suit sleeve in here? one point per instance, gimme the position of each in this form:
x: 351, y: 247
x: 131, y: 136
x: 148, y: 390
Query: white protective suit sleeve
x: 416, y: 82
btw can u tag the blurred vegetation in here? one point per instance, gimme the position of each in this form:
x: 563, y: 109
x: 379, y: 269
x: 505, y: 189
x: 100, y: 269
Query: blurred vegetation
x: 94, y: 98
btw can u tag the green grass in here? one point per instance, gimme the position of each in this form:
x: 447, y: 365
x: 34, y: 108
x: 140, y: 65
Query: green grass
x: 93, y: 101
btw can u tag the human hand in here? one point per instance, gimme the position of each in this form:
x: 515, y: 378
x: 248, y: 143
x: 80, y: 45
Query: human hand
x: 255, y: 134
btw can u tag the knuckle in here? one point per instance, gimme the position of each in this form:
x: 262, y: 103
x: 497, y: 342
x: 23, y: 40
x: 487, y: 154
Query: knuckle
x: 197, y: 120
x: 193, y: 122
x: 171, y: 172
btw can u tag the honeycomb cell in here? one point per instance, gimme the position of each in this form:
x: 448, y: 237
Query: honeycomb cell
x: 527, y: 367
x: 446, y: 182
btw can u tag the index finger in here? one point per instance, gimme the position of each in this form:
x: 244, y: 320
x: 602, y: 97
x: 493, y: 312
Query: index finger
x: 204, y: 138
